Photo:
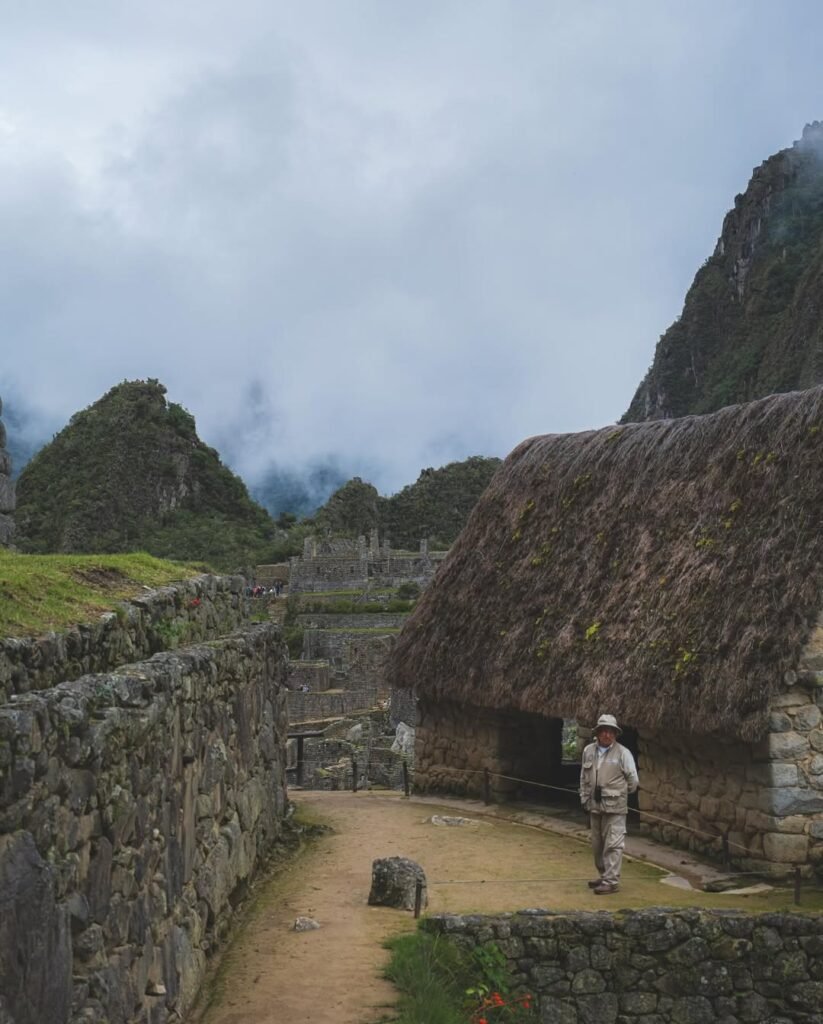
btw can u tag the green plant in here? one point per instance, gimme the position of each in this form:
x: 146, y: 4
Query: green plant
x: 439, y: 984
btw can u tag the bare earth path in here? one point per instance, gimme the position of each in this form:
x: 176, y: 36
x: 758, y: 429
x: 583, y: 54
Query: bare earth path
x: 274, y: 975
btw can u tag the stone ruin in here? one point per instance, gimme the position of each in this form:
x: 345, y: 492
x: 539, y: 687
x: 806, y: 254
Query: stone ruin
x: 7, y: 498
x: 332, y: 563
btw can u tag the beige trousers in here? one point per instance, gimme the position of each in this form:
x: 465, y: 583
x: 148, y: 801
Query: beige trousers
x: 608, y: 840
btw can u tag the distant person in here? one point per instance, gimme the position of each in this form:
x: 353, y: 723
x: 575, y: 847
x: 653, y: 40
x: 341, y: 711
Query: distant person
x: 607, y: 775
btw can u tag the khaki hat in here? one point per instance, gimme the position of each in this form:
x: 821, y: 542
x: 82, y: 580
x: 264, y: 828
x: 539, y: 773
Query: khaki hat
x: 608, y: 722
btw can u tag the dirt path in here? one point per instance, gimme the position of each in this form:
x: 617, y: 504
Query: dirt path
x: 273, y: 975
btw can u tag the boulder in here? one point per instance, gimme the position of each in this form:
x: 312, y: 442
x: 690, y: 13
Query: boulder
x: 394, y: 881
x: 403, y: 740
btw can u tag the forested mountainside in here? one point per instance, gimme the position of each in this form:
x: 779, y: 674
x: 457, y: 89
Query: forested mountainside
x: 752, y: 321
x: 130, y: 473
x: 437, y: 506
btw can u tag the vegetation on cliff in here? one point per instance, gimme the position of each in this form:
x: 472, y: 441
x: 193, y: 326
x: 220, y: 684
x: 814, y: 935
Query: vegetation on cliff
x: 130, y: 474
x: 436, y: 506
x: 751, y: 323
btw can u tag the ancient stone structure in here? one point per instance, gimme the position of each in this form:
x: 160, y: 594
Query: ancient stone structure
x: 134, y: 807
x: 7, y: 499
x: 643, y: 571
x: 765, y: 800
x: 344, y: 564
x: 659, y: 965
x: 193, y: 610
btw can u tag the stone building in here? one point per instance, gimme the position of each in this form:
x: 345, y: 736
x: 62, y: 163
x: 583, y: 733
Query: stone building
x: 668, y: 573
x: 335, y: 563
x: 7, y: 499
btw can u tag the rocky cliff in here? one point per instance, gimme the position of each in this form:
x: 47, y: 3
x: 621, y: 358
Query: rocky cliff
x: 130, y: 474
x: 751, y: 323
x: 7, y: 496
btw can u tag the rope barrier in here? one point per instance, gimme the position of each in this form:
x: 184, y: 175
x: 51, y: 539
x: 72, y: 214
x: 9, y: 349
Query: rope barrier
x: 726, y: 843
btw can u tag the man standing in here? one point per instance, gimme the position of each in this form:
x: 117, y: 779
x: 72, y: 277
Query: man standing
x: 607, y: 776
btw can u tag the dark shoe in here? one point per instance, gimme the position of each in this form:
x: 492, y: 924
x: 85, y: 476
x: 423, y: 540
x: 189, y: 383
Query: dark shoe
x: 594, y: 883
x: 604, y: 888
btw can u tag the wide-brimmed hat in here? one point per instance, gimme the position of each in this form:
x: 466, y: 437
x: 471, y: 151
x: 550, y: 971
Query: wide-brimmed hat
x: 607, y: 722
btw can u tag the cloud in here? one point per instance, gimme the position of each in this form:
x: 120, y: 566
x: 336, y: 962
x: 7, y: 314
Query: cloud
x: 367, y: 235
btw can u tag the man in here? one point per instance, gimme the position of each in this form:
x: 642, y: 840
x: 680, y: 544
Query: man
x: 607, y: 776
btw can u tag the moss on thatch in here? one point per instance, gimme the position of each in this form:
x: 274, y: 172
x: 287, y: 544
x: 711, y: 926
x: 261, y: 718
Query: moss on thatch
x: 666, y: 572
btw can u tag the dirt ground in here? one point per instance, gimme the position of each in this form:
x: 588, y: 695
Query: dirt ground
x: 271, y: 974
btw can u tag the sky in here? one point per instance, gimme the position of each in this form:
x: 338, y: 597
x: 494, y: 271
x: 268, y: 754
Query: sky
x: 372, y: 234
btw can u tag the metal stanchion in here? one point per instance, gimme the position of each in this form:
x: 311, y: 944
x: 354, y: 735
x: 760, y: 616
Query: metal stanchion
x: 353, y: 775
x: 487, y: 787
x: 418, y: 897
x: 405, y: 779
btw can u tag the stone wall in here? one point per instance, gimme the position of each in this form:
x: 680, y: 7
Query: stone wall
x: 359, y: 566
x: 657, y: 966
x: 7, y: 496
x: 201, y: 608
x: 312, y: 674
x: 361, y: 655
x: 765, y: 798
x: 366, y: 620
x: 318, y: 707
x: 453, y: 746
x: 134, y: 808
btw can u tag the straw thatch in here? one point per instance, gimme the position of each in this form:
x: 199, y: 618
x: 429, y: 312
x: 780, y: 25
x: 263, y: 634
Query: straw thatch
x: 666, y: 572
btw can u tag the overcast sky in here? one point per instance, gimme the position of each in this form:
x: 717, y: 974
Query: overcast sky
x: 390, y: 234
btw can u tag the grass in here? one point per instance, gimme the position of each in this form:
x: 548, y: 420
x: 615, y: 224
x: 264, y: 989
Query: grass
x: 427, y: 971
x: 440, y: 984
x: 51, y: 592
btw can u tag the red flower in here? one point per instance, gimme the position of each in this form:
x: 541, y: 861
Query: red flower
x: 195, y: 601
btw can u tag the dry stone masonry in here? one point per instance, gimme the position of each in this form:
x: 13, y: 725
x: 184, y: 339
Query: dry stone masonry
x: 192, y: 610
x: 657, y: 966
x: 766, y: 799
x: 135, y: 807
x: 336, y: 564
x: 7, y: 497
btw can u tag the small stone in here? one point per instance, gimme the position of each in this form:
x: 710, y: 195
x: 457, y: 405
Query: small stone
x: 155, y: 988
x: 305, y: 924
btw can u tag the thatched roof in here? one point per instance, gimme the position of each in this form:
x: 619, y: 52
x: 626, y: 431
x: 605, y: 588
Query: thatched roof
x: 666, y: 572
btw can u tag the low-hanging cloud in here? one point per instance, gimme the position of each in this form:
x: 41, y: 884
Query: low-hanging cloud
x: 364, y: 236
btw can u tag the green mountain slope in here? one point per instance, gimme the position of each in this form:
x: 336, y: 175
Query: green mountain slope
x: 436, y: 506
x: 130, y: 473
x: 752, y: 322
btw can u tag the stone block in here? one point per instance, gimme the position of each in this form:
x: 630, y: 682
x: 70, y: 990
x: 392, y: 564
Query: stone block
x: 793, y: 698
x: 785, y: 849
x: 791, y: 800
x: 779, y: 721
x: 775, y: 773
x: 786, y: 746
x: 807, y: 718
x: 394, y: 883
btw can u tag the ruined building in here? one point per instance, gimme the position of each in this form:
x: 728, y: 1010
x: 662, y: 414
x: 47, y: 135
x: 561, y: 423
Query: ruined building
x: 6, y: 489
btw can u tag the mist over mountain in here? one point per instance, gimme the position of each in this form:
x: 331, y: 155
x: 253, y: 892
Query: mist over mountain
x: 752, y: 321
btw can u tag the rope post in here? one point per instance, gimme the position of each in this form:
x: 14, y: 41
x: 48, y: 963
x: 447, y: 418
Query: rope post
x: 487, y: 787
x: 418, y: 897
x: 405, y: 779
x: 797, y: 885
x: 726, y: 857
x: 353, y: 775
